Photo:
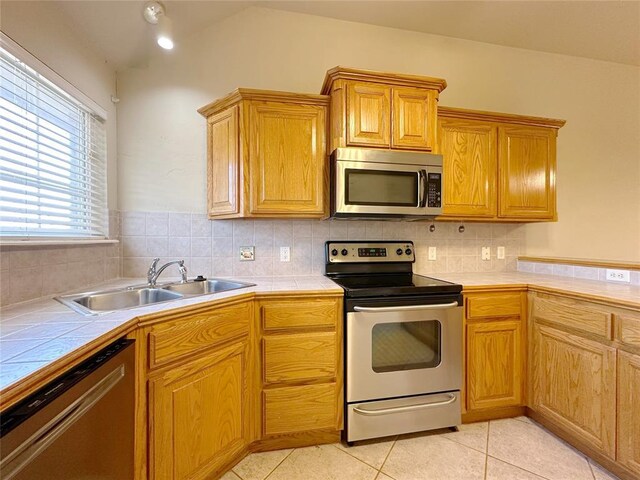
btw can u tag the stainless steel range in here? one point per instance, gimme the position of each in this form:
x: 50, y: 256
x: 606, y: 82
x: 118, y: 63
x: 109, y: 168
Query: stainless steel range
x: 403, y: 341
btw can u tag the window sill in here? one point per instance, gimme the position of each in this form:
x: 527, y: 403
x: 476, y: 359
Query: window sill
x: 59, y: 243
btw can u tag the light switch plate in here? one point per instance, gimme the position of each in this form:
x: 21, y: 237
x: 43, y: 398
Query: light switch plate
x: 247, y: 254
x: 500, y: 253
x: 432, y: 253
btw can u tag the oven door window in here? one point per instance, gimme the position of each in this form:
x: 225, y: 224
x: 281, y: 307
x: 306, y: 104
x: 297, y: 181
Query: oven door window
x: 381, y: 187
x: 405, y: 346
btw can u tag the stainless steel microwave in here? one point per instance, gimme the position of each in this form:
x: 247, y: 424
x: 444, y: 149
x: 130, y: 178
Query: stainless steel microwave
x: 384, y: 184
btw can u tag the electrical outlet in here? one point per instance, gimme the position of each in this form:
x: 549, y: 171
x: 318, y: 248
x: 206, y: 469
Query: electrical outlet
x: 486, y: 253
x: 432, y: 253
x: 500, y: 253
x: 618, y: 275
x: 247, y: 254
x: 285, y: 254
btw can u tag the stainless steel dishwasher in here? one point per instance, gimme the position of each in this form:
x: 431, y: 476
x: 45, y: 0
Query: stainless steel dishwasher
x: 80, y: 426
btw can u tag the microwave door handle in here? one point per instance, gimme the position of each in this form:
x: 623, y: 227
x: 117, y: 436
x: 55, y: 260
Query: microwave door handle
x: 423, y: 188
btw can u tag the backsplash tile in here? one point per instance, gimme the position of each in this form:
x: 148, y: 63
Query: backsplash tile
x: 573, y: 271
x: 212, y: 247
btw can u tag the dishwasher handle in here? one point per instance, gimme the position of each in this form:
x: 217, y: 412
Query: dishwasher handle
x: 45, y: 436
x: 405, y: 308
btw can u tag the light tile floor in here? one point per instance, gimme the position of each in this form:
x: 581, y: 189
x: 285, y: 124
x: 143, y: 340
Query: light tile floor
x: 510, y: 449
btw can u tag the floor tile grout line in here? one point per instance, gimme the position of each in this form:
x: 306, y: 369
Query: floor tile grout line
x: 593, y: 474
x: 353, y: 456
x: 467, y: 446
x: 519, y: 467
x: 388, y: 453
x: 486, y: 450
x: 280, y: 463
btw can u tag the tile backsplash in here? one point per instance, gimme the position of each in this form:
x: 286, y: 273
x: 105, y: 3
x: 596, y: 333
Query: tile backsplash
x: 29, y: 272
x: 212, y: 248
x: 573, y: 271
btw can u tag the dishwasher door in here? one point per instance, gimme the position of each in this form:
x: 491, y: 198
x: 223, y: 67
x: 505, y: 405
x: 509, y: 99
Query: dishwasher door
x: 80, y: 426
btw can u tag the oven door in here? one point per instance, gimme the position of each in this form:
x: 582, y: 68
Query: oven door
x: 402, y: 350
x: 367, y: 188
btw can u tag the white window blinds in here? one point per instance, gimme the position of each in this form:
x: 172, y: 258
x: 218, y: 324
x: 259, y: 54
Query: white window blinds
x: 52, y: 159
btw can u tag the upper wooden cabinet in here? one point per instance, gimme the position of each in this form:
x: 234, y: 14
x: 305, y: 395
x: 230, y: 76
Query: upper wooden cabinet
x: 498, y: 166
x: 382, y: 110
x: 266, y: 155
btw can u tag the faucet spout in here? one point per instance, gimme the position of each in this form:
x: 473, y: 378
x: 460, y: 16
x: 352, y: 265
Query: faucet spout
x: 153, y: 273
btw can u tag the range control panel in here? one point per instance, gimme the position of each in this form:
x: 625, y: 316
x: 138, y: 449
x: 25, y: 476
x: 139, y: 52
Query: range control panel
x: 369, y: 252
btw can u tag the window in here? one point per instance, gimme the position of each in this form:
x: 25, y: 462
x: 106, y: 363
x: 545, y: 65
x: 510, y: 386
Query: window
x: 52, y: 156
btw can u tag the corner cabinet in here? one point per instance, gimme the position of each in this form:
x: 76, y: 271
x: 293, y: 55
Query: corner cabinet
x: 382, y: 110
x: 497, y: 167
x: 266, y: 155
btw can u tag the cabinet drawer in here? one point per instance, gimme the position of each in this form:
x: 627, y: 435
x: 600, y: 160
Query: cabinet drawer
x: 573, y: 315
x: 292, y: 358
x: 299, y: 313
x: 494, y: 305
x: 193, y: 333
x: 298, y: 409
x: 628, y: 330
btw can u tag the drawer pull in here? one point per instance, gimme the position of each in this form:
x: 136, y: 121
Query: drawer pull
x: 408, y: 408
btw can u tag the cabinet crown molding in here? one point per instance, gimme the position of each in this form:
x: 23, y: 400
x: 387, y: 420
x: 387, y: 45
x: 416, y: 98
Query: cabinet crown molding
x: 387, y: 78
x: 463, y: 113
x: 240, y: 94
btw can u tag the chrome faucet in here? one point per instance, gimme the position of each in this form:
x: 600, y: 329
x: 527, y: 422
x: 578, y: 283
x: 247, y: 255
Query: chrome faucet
x: 153, y: 273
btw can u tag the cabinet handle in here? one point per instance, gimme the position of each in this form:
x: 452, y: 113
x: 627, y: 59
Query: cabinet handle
x: 408, y: 408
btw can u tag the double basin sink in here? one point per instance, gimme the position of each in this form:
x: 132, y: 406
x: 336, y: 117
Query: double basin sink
x: 93, y: 303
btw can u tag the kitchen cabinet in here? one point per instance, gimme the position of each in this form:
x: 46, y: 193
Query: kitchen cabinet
x: 266, y: 155
x: 495, y: 354
x: 199, y: 401
x: 497, y: 167
x: 301, y: 355
x: 382, y: 110
x: 628, y: 428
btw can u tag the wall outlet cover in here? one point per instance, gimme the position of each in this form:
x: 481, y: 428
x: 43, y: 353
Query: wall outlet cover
x: 285, y: 254
x: 486, y: 253
x: 247, y: 254
x: 618, y: 275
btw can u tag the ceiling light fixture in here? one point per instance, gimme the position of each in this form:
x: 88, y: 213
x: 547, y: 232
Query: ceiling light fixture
x: 155, y: 14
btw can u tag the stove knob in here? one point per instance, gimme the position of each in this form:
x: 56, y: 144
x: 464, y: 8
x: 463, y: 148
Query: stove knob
x: 408, y: 251
x: 399, y: 251
x: 334, y: 252
x: 344, y: 252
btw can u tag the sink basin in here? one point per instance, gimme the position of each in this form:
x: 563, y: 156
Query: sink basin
x: 204, y: 287
x: 99, y: 302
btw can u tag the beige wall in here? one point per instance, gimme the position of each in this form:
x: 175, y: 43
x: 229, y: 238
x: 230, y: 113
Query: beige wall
x: 161, y: 138
x: 45, y: 33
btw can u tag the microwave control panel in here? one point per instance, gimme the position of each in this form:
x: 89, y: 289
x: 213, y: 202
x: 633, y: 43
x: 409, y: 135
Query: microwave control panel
x: 434, y: 190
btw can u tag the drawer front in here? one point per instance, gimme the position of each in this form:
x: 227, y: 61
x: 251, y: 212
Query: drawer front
x: 295, y: 358
x: 628, y: 330
x: 576, y: 316
x: 299, y: 313
x: 194, y: 333
x: 299, y: 409
x: 493, y: 305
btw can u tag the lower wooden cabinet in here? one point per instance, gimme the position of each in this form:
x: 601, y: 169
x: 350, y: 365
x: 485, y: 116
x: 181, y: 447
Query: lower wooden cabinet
x: 494, y: 353
x: 495, y: 364
x: 574, y: 385
x: 198, y: 414
x: 628, y: 431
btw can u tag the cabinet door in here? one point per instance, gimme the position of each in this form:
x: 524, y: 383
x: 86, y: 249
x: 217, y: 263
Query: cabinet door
x: 628, y: 411
x: 287, y: 159
x: 223, y: 163
x: 198, y: 415
x: 369, y: 115
x: 495, y: 364
x: 574, y: 385
x: 527, y: 172
x: 470, y: 167
x: 413, y: 122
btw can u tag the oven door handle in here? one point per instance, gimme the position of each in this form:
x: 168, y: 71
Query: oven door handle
x: 408, y: 408
x: 404, y: 308
x: 423, y: 186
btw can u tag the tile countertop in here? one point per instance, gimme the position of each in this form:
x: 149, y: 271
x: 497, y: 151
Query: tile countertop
x: 37, y: 334
x: 622, y: 294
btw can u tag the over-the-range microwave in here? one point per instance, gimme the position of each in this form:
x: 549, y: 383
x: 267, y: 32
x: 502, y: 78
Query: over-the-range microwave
x: 385, y: 184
